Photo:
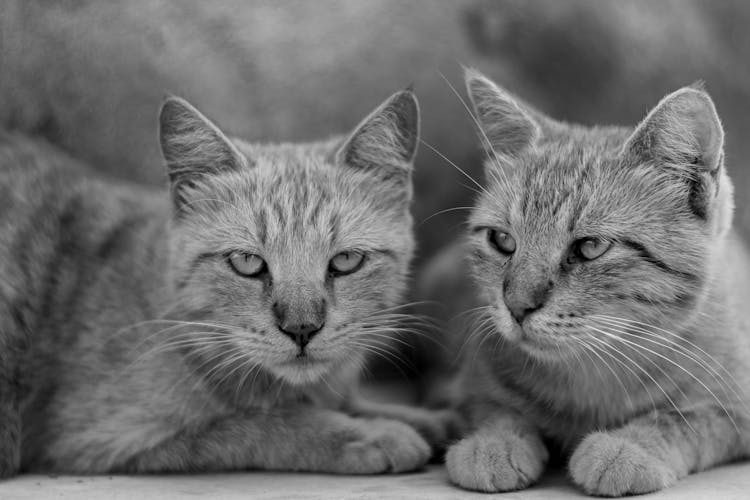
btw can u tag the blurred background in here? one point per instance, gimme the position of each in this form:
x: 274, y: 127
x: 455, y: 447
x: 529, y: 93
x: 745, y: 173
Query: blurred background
x: 90, y: 75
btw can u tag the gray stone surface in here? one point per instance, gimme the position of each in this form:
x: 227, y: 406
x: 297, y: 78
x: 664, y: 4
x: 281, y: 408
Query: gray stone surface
x: 726, y: 483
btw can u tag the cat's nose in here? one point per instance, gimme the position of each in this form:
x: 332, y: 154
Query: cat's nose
x: 302, y: 333
x: 301, y: 326
x: 522, y: 300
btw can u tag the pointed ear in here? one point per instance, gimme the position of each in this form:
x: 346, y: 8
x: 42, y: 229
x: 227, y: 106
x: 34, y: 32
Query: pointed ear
x: 506, y: 123
x: 683, y: 130
x: 386, y: 141
x: 683, y: 135
x: 193, y: 147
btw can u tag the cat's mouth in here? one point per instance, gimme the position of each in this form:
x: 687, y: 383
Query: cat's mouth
x: 304, y: 369
x: 305, y: 360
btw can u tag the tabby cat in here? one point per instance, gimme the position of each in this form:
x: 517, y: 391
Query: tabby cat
x: 221, y: 327
x: 614, y: 324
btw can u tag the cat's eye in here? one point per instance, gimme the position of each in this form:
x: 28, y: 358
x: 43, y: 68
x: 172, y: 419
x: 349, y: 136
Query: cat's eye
x: 502, y: 241
x: 591, y: 248
x: 246, y: 264
x: 346, y: 263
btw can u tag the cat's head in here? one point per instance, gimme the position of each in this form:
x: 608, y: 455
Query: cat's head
x: 300, y: 251
x: 592, y: 231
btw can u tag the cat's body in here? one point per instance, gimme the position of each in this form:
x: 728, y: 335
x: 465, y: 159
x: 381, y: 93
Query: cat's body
x: 567, y: 404
x: 614, y: 323
x: 138, y: 337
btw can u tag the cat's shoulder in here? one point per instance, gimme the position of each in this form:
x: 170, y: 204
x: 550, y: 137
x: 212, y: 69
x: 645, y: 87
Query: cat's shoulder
x: 30, y: 165
x: 21, y: 154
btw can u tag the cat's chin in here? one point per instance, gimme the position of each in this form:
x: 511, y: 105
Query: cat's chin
x: 540, y: 346
x: 545, y: 351
x: 303, y: 371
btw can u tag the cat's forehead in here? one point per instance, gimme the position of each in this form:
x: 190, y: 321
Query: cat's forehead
x: 301, y: 174
x: 558, y: 182
x: 295, y: 199
x: 570, y: 158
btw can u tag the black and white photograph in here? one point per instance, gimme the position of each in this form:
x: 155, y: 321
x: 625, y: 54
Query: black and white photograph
x: 359, y: 249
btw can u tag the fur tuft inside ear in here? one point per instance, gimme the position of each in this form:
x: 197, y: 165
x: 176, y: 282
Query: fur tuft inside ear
x: 192, y: 146
x: 508, y: 127
x: 387, y: 139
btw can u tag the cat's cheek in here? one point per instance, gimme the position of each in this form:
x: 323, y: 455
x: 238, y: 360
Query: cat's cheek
x: 505, y: 325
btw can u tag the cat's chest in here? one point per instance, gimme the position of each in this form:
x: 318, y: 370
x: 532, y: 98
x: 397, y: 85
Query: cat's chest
x: 564, y: 406
x: 275, y: 394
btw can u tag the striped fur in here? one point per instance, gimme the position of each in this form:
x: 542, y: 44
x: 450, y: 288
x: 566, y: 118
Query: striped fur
x: 129, y: 344
x: 634, y: 364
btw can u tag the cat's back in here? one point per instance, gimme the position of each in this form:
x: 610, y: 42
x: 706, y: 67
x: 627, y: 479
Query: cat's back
x: 32, y: 173
x: 36, y: 176
x: 56, y: 216
x: 35, y: 182
x: 40, y: 184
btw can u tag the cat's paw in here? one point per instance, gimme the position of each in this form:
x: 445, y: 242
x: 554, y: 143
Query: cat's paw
x: 605, y: 464
x: 383, y: 445
x: 498, y: 463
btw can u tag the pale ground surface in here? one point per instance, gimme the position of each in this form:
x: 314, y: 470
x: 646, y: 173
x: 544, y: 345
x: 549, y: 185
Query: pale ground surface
x: 725, y: 483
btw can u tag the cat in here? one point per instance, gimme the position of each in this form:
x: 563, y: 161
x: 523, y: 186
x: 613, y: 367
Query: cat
x: 220, y: 327
x: 613, y: 326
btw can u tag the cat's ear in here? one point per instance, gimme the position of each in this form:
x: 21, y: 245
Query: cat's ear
x: 508, y: 125
x: 683, y: 131
x: 193, y: 147
x: 683, y: 135
x: 386, y: 141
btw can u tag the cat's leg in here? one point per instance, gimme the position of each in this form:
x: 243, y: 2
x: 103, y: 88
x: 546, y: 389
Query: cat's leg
x: 654, y: 451
x: 308, y: 439
x: 437, y: 426
x: 504, y: 453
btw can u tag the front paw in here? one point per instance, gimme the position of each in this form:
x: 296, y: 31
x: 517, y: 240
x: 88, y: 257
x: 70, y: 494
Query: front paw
x: 382, y: 445
x: 605, y: 464
x: 497, y: 463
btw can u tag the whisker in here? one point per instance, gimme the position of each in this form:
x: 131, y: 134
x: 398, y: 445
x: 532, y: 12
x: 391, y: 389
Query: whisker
x: 677, y: 365
x: 445, y: 211
x: 588, y: 349
x: 682, y: 351
x: 603, y: 350
x: 484, y: 327
x: 650, y: 377
x: 381, y: 354
x: 447, y: 160
x: 483, y: 135
x: 642, y: 328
